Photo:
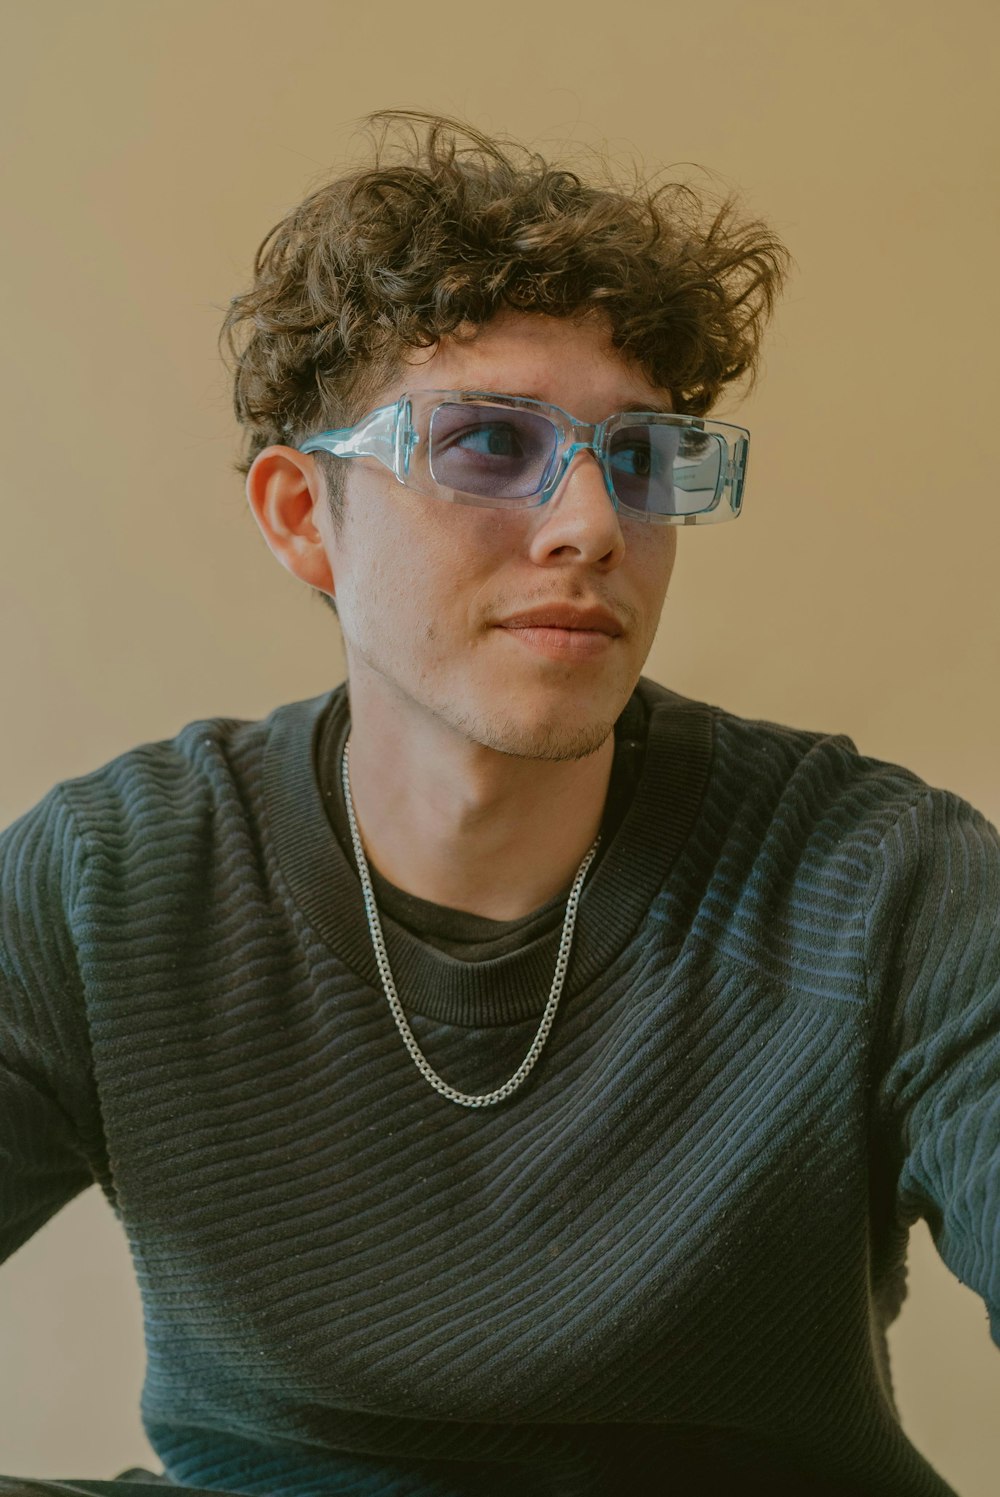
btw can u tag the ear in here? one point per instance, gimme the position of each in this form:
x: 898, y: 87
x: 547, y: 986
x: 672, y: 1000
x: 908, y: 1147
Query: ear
x: 287, y: 494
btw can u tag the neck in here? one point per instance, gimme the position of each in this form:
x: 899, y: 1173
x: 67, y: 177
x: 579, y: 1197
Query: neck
x: 465, y: 826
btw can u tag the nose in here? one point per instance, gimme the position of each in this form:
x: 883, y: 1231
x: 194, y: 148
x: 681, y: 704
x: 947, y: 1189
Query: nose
x: 579, y: 515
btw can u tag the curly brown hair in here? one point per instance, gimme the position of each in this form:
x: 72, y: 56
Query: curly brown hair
x: 432, y: 235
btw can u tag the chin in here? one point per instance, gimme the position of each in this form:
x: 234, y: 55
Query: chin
x: 553, y: 735
x: 562, y: 714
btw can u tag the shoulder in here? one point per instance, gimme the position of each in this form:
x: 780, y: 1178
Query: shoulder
x: 800, y: 832
x: 813, y: 775
x: 156, y: 795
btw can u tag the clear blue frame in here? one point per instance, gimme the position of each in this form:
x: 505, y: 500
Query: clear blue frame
x: 392, y: 435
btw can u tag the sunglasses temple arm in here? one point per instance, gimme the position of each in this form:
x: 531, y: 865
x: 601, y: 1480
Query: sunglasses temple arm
x: 374, y: 436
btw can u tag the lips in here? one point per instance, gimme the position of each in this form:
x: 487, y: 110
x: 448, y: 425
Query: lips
x: 564, y: 632
x: 565, y: 616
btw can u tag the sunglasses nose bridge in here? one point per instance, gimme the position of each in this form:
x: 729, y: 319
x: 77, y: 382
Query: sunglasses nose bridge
x: 584, y: 435
x: 572, y: 448
x: 578, y: 436
x: 569, y: 452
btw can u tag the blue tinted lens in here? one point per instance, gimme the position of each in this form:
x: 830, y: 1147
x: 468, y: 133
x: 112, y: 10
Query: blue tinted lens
x: 494, y: 452
x: 665, y: 470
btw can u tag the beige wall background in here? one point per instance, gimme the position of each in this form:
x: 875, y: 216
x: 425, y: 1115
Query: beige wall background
x: 147, y: 149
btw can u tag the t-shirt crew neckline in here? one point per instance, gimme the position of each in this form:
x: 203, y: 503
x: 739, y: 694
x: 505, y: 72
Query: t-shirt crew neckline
x: 512, y: 988
x: 458, y: 933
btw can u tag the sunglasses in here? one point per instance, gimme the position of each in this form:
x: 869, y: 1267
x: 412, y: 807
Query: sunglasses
x: 510, y: 452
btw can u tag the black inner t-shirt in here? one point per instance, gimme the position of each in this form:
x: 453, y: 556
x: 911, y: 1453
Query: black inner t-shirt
x: 459, y: 933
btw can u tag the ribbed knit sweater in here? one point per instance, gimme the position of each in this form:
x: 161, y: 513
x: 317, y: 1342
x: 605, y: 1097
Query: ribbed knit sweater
x: 665, y: 1265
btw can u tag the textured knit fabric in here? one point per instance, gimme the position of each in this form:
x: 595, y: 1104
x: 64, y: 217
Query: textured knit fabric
x: 666, y: 1265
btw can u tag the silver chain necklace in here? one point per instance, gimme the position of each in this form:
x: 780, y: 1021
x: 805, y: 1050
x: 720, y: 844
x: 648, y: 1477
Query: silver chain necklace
x: 486, y: 1099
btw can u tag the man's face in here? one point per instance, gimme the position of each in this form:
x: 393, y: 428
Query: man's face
x: 422, y: 584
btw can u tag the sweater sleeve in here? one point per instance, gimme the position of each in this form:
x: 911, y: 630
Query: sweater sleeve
x: 933, y: 963
x: 47, y: 1153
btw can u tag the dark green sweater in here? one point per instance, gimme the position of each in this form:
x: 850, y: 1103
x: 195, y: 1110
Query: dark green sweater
x: 665, y: 1265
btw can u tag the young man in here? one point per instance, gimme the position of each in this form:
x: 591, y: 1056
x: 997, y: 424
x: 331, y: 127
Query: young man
x: 511, y: 1075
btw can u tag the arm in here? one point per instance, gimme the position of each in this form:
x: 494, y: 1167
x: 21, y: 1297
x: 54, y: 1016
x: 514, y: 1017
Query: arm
x: 933, y: 962
x: 45, y: 1079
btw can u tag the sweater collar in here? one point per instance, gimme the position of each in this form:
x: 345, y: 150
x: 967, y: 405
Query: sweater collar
x: 512, y: 988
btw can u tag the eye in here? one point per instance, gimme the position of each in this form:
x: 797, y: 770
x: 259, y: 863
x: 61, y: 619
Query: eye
x: 490, y: 451
x: 490, y: 439
x: 636, y: 457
